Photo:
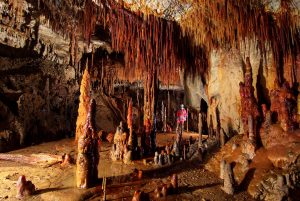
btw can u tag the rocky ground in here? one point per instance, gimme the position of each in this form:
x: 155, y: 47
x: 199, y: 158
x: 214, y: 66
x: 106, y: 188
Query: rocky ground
x: 54, y: 182
x: 259, y: 176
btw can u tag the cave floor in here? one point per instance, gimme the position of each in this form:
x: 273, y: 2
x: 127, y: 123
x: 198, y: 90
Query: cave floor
x: 54, y: 182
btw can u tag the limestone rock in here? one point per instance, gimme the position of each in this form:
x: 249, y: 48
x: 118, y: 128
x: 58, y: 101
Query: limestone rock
x: 248, y: 148
x: 228, y: 180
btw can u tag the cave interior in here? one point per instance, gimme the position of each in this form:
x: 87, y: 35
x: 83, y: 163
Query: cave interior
x: 150, y: 100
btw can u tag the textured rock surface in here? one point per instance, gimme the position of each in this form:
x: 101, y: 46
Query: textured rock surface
x: 258, y: 175
x: 38, y: 98
x: 169, y: 9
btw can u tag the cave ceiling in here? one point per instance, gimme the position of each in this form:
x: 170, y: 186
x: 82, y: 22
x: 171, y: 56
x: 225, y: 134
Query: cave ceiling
x: 170, y: 36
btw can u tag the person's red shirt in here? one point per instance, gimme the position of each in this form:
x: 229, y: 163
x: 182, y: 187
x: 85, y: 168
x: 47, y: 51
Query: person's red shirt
x: 181, y: 115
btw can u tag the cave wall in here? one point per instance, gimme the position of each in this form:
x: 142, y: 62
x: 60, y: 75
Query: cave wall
x: 39, y: 100
x: 38, y: 89
x: 39, y: 85
x: 222, y: 82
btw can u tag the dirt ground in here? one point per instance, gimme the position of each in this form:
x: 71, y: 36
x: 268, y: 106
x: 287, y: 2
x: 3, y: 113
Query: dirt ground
x: 56, y: 183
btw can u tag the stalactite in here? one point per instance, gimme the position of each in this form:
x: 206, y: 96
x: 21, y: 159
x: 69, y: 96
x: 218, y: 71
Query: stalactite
x: 76, y: 59
x: 89, y: 20
x: 72, y: 49
x: 230, y: 23
x: 148, y: 41
x: 150, y: 95
x: 17, y: 6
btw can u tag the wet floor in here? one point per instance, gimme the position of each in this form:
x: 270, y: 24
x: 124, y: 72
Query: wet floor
x: 58, y: 183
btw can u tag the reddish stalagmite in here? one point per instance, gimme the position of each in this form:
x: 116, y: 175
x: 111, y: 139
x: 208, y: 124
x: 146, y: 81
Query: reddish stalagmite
x: 283, y: 105
x: 129, y: 122
x: 249, y: 104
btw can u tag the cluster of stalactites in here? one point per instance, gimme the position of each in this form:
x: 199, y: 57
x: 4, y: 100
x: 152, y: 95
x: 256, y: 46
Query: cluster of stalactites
x: 63, y: 16
x: 230, y: 22
x: 148, y: 42
x: 17, y: 6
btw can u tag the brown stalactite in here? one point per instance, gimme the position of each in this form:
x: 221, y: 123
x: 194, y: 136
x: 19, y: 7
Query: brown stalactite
x: 89, y: 20
x: 149, y: 42
x: 72, y: 49
x: 230, y: 23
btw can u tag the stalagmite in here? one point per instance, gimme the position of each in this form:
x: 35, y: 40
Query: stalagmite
x: 139, y: 110
x: 250, y: 129
x: 83, y: 104
x: 222, y: 168
x: 47, y: 92
x: 222, y: 138
x: 168, y: 105
x: 249, y: 105
x: 283, y: 104
x: 212, y: 116
x: 138, y: 195
x: 228, y: 179
x: 129, y: 122
x: 164, y: 117
x: 165, y: 120
x: 200, y: 129
x: 88, y: 153
x: 210, y: 127
x: 24, y: 187
x: 298, y: 106
x: 174, y: 182
x: 104, y: 188
x: 20, y: 128
x: 184, y: 155
x: 185, y: 51
x: 187, y: 120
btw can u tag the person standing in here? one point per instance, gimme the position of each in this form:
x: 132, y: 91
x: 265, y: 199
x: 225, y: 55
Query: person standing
x: 181, y: 118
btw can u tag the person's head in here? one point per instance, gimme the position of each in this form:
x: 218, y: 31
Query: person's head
x: 182, y: 106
